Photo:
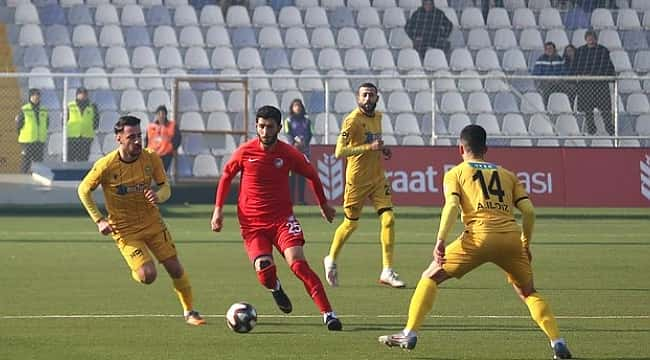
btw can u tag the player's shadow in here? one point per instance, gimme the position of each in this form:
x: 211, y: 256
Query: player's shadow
x: 441, y: 327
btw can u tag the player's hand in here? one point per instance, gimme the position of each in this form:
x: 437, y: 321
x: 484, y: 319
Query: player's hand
x: 151, y: 196
x: 328, y: 212
x: 104, y: 227
x: 439, y: 252
x: 377, y: 145
x: 217, y: 219
x: 388, y: 154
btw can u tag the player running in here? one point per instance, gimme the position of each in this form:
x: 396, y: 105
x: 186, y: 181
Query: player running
x: 265, y: 211
x: 134, y: 220
x: 486, y: 194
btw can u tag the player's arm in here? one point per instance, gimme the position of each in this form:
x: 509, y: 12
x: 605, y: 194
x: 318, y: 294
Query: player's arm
x: 303, y: 167
x: 230, y: 170
x: 448, y: 216
x: 523, y: 203
x: 343, y: 143
x: 164, y: 191
x: 84, y: 191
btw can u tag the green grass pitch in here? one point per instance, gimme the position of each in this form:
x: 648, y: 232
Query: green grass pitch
x: 65, y: 292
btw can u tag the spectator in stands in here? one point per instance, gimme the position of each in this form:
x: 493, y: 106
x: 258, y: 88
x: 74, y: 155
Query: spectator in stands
x: 485, y: 7
x: 83, y: 120
x: 549, y: 64
x: 298, y: 129
x: 429, y: 27
x: 163, y: 137
x: 31, y: 123
x: 569, y: 57
x: 593, y: 59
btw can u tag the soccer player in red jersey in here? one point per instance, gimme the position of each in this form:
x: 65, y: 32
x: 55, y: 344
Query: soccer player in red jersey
x: 265, y: 211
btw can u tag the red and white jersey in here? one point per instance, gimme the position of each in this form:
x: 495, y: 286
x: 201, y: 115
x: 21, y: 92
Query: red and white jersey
x: 264, y: 187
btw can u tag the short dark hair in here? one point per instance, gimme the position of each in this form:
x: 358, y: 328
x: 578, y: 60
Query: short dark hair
x: 367, y: 85
x: 474, y: 137
x: 269, y: 112
x: 591, y: 33
x: 34, y: 91
x: 550, y: 43
x: 126, y: 120
x: 162, y: 108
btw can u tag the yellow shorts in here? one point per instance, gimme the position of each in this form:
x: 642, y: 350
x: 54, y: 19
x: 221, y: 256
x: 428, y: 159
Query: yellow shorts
x: 135, y: 248
x: 505, y: 250
x: 355, y: 196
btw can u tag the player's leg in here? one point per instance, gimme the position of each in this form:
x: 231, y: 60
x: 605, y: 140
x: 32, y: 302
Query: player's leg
x: 461, y: 256
x: 135, y: 253
x: 381, y: 198
x: 295, y: 257
x: 259, y: 247
x: 513, y: 259
x: 163, y: 248
x: 352, y: 207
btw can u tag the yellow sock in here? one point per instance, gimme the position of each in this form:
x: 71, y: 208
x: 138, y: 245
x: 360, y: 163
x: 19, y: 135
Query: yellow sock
x: 136, y: 277
x: 543, y: 316
x: 342, y: 233
x: 387, y: 238
x: 421, y: 303
x: 183, y: 289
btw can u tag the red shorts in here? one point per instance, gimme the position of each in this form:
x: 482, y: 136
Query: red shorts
x: 259, y: 240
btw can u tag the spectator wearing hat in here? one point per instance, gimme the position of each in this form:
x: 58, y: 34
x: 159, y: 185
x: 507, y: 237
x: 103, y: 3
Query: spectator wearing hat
x: 31, y: 124
x: 83, y: 119
x: 163, y: 137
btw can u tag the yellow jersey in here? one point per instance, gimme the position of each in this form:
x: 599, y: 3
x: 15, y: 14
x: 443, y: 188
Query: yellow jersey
x: 357, y: 133
x: 487, y: 194
x: 123, y: 185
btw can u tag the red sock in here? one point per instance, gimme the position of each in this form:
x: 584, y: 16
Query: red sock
x: 268, y: 277
x: 312, y: 283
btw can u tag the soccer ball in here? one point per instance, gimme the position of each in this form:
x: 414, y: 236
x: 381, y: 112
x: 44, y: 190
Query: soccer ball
x: 241, y: 317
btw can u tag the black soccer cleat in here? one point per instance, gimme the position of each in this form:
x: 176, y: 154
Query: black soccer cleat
x: 561, y: 351
x: 332, y: 322
x: 282, y: 300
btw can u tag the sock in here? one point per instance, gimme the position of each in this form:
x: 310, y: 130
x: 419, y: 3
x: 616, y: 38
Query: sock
x: 183, y: 289
x: 421, y: 303
x: 341, y: 235
x: 387, y: 238
x: 136, y: 277
x: 543, y: 316
x: 268, y: 277
x: 313, y: 285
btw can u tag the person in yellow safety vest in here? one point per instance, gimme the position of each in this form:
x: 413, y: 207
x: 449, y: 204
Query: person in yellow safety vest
x: 163, y: 137
x: 31, y: 123
x: 83, y: 119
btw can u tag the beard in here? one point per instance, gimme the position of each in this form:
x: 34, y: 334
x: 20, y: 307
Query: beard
x: 368, y: 108
x: 268, y: 141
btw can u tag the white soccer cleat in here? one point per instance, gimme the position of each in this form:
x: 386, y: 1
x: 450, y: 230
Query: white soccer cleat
x: 391, y: 278
x: 331, y: 275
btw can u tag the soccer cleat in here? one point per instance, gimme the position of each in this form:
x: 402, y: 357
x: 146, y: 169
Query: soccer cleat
x: 399, y: 340
x: 193, y: 318
x: 332, y: 322
x: 282, y: 300
x: 331, y: 276
x: 561, y: 351
x: 391, y: 278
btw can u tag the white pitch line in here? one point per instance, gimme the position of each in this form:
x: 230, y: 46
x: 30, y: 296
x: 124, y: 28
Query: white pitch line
x: 123, y: 316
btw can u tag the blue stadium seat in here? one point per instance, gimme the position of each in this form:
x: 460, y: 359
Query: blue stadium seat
x: 52, y: 14
x: 275, y: 58
x: 104, y: 99
x: 277, y: 5
x: 35, y: 56
x: 79, y: 15
x: 243, y: 37
x: 158, y: 15
x: 576, y: 18
x: 50, y: 99
x: 342, y: 17
x: 316, y: 102
x: 137, y: 36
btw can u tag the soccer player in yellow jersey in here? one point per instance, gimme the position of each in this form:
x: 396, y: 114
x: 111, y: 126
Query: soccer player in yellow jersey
x: 134, y: 220
x: 361, y: 143
x: 486, y: 194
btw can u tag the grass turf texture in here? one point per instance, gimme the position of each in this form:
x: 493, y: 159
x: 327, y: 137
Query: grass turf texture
x: 590, y: 264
